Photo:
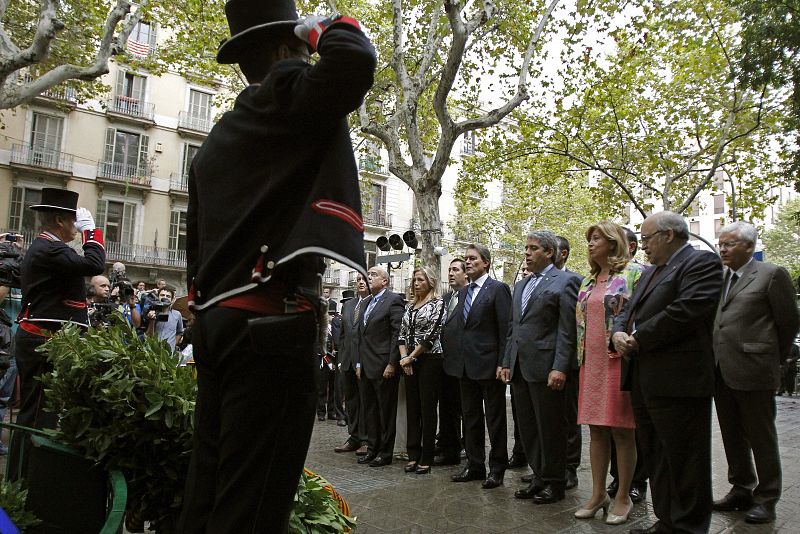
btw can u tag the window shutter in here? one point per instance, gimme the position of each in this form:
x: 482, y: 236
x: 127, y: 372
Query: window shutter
x: 100, y: 217
x: 173, y: 229
x: 15, y: 211
x: 144, y: 167
x: 152, y: 36
x: 120, y: 86
x: 138, y: 88
x: 383, y: 199
x: 128, y: 218
x: 111, y: 139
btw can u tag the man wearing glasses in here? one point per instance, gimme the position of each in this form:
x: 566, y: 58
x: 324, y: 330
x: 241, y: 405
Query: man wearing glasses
x: 756, y: 322
x: 666, y: 333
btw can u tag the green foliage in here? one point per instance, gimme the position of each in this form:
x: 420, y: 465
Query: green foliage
x: 782, y: 243
x: 315, y: 510
x: 125, y: 403
x: 12, y: 500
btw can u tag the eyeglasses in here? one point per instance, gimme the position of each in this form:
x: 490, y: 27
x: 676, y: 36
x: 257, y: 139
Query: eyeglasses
x: 728, y: 244
x: 647, y: 237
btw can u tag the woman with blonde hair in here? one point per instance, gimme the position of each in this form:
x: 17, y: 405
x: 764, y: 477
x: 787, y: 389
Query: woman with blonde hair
x: 421, y: 361
x: 601, y: 404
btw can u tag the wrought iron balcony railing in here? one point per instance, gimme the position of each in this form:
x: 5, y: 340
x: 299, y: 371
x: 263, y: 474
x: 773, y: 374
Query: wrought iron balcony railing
x: 46, y: 158
x: 128, y: 174
x: 132, y: 107
x: 196, y: 123
x: 144, y: 255
x: 378, y: 218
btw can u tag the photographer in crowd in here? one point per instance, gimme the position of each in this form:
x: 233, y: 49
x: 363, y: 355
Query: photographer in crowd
x: 164, y: 322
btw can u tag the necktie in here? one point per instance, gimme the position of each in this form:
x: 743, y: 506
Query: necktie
x: 357, y: 310
x: 370, y: 306
x: 451, y: 305
x: 733, y: 281
x: 468, y: 300
x: 527, y: 291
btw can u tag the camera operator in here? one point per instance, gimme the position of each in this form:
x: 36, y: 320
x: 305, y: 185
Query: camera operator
x: 123, y: 296
x: 97, y: 300
x: 53, y: 293
x: 164, y: 322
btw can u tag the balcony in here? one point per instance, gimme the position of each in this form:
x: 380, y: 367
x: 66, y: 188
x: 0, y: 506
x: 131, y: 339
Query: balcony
x: 179, y: 184
x: 131, y: 110
x: 144, y: 255
x: 193, y: 126
x: 352, y: 278
x: 372, y: 165
x: 61, y: 96
x: 135, y: 176
x: 331, y: 277
x: 41, y: 160
x: 378, y: 218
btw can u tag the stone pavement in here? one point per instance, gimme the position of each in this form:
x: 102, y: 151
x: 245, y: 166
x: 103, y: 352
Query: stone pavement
x: 386, y: 499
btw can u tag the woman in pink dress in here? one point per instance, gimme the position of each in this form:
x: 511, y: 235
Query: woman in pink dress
x: 601, y: 404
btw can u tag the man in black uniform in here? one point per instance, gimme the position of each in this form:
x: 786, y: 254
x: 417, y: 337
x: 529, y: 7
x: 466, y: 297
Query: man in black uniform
x: 272, y: 191
x: 53, y: 293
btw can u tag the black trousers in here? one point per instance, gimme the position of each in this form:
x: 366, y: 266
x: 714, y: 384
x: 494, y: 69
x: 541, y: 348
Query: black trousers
x: 421, y: 397
x: 450, y: 437
x: 351, y: 396
x: 253, y: 421
x: 543, y: 428
x: 379, y: 402
x: 747, y: 424
x: 573, y: 428
x: 325, y: 389
x: 475, y: 395
x: 519, y: 448
x: 32, y: 413
x: 675, y: 437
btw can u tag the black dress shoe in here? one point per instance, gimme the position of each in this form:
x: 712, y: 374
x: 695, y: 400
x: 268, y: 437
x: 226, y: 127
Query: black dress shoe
x: 494, y: 480
x: 549, y: 494
x: 517, y: 460
x: 612, y: 488
x: 367, y: 458
x: 528, y: 492
x: 761, y: 513
x: 469, y: 474
x: 655, y: 528
x: 380, y: 461
x: 446, y: 460
x: 572, y: 479
x: 733, y: 502
x: 637, y: 494
x: 341, y: 422
x: 321, y: 417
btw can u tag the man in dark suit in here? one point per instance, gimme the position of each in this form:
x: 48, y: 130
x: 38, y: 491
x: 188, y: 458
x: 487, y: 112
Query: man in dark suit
x: 449, y: 439
x: 665, y: 331
x: 571, y: 388
x: 481, y: 316
x: 754, y: 330
x: 348, y: 358
x: 378, y: 364
x: 539, y: 355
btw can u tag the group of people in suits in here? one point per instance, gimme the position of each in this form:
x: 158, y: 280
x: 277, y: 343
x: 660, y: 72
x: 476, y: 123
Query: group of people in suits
x: 639, y: 351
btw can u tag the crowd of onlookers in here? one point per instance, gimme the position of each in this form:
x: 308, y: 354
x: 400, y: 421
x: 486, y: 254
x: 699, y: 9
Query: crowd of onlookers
x: 634, y: 350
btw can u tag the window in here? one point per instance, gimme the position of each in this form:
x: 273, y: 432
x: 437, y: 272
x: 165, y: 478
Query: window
x: 20, y: 217
x: 46, y: 140
x: 189, y: 152
x: 719, y: 204
x: 199, y: 105
x: 177, y: 231
x: 126, y: 155
x: 694, y: 209
x: 719, y: 180
x: 694, y: 227
x: 377, y: 206
x: 468, y: 144
x: 370, y: 250
x: 117, y: 220
x: 129, y: 96
x: 142, y: 39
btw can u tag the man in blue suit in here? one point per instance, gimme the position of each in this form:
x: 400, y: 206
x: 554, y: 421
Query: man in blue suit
x: 539, y: 355
x: 481, y: 316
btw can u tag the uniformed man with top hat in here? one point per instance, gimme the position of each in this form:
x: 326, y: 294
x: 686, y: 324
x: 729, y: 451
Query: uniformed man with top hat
x: 53, y: 277
x: 272, y: 191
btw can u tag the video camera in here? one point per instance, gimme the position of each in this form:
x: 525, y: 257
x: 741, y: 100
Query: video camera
x: 150, y: 301
x: 10, y: 262
x: 102, y: 314
x: 124, y: 287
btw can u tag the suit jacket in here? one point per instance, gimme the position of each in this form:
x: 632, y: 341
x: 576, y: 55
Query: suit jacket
x: 542, y: 337
x: 449, y: 334
x: 476, y: 348
x: 348, y: 336
x: 755, y: 327
x: 378, y: 338
x: 674, y: 318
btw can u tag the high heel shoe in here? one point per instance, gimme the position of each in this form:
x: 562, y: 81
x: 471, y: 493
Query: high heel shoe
x: 410, y: 467
x: 589, y: 513
x: 423, y: 469
x: 614, y: 519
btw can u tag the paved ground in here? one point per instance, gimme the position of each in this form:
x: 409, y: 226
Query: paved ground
x: 385, y: 499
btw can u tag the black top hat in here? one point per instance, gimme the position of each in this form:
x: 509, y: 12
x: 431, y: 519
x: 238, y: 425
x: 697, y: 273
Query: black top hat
x: 57, y: 199
x: 348, y: 294
x: 248, y: 18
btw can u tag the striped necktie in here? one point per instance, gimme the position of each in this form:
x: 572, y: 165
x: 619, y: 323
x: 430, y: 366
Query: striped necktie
x: 468, y: 300
x: 528, y: 290
x: 451, y: 305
